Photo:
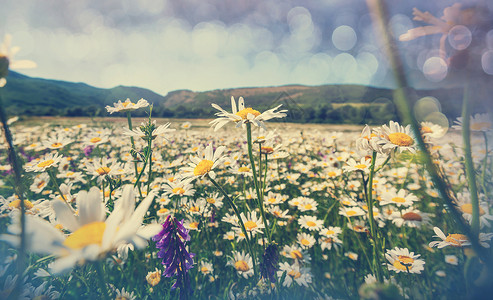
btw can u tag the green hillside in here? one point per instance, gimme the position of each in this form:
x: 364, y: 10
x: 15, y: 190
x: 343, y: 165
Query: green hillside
x: 36, y: 96
x: 312, y: 104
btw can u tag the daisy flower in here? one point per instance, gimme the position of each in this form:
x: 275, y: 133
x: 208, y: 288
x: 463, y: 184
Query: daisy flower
x: 7, y: 61
x: 353, y: 211
x: 40, y: 182
x: 331, y: 231
x: 396, y: 136
x: 102, y: 168
x: 92, y: 235
x: 431, y: 130
x: 368, y: 140
x: 252, y: 223
x: 215, y: 199
x: 124, y: 295
x: 310, y: 222
x: 329, y: 242
x: 305, y: 240
x: 401, y: 260
x: 178, y: 187
x: 206, y: 268
x: 457, y: 239
x: 204, y: 163
x: 478, y: 122
x: 57, y: 142
x: 363, y: 165
x: 294, y: 274
x: 465, y: 206
x: 126, y: 106
x: 48, y: 161
x: 410, y: 217
x: 398, y: 198
x: 452, y: 260
x: 278, y: 213
x: 153, y: 277
x: 242, y: 263
x: 244, y: 115
x: 351, y: 255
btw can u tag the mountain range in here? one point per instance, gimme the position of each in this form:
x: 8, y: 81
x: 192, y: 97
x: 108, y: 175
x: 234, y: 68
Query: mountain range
x: 36, y: 96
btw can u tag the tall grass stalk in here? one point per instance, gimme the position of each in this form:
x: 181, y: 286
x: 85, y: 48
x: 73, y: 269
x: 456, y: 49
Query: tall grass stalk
x: 401, y: 100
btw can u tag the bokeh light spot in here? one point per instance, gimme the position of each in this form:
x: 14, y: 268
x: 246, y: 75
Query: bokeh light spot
x: 459, y: 37
x: 435, y: 69
x: 344, y: 38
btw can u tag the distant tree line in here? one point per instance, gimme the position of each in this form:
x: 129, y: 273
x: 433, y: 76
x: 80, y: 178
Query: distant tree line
x: 324, y: 113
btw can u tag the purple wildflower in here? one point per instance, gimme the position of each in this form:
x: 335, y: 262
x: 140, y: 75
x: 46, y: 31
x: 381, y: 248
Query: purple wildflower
x: 270, y: 262
x: 176, y: 259
x: 88, y: 150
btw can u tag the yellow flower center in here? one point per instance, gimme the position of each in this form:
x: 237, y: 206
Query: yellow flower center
x: 244, y: 169
x: 412, y: 216
x: 305, y: 242
x: 46, y: 163
x: 69, y: 174
x: 267, y: 150
x: 361, y: 166
x: 163, y: 210
x: 398, y: 200
x: 296, y: 254
x: 426, y: 129
x: 401, y: 139
x: 244, y: 112
x: 56, y: 145
x: 332, y: 174
x: 456, y: 239
x: 350, y: 213
x: 205, y: 270
x: 402, y: 262
x: 194, y: 225
x: 17, y: 204
x: 329, y: 232
x: 103, y: 171
x: 241, y: 265
x: 126, y: 103
x: 250, y: 225
x: 203, y: 167
x: 95, y: 140
x: 294, y: 274
x: 41, y: 184
x: 178, y: 190
x: 467, y: 208
x: 211, y: 200
x: 88, y: 234
x: 480, y: 125
x: 194, y: 209
x: 311, y: 224
x: 308, y: 206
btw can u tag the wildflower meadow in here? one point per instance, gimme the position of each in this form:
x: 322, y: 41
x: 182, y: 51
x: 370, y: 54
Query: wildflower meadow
x: 245, y: 205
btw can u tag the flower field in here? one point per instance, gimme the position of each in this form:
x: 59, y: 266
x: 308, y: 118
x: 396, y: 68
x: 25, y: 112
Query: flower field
x: 172, y: 210
x: 245, y: 205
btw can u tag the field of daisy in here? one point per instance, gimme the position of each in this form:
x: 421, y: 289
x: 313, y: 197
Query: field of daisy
x: 240, y: 209
x: 246, y: 206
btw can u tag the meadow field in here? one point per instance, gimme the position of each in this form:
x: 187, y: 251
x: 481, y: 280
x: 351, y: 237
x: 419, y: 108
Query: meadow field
x: 179, y: 210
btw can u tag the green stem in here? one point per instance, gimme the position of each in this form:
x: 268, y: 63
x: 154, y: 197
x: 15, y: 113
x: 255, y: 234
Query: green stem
x: 255, y: 180
x: 149, y: 176
x: 129, y: 120
x: 485, y: 163
x: 373, y: 229
x: 470, y: 173
x: 242, y: 225
x: 19, y: 189
x: 102, y: 281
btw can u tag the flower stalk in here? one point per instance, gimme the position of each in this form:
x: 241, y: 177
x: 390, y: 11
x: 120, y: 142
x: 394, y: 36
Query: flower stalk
x: 470, y: 173
x: 255, y: 179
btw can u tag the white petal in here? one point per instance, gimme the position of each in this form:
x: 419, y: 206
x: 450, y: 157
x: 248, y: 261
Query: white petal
x: 65, y: 216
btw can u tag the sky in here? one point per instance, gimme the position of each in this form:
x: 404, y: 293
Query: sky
x: 200, y: 45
